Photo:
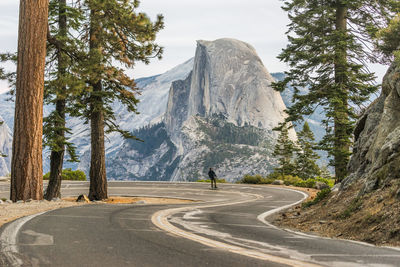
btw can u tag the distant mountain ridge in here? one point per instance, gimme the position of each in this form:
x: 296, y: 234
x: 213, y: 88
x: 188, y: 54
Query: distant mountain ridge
x: 184, y: 114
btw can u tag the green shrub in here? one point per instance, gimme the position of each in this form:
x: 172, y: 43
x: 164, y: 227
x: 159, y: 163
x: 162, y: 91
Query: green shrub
x: 249, y: 179
x: 69, y: 175
x: 329, y: 182
x: 291, y: 180
x: 320, y: 196
x: 274, y: 175
x: 256, y: 179
x: 310, y: 183
x: 287, y: 180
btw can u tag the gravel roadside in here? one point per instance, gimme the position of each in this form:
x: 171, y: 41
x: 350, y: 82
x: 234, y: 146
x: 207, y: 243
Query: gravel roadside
x: 12, y: 211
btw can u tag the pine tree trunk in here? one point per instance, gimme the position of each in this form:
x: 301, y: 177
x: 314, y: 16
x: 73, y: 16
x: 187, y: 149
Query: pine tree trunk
x: 341, y: 120
x: 98, y: 178
x: 26, y: 163
x: 57, y: 156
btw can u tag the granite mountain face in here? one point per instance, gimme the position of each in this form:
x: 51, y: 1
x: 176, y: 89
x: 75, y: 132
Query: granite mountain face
x: 221, y: 115
x: 217, y: 109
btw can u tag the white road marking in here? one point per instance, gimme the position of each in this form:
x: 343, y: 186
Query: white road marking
x: 190, y: 215
x: 40, y: 238
x: 160, y: 219
x: 8, y: 239
x: 262, y: 216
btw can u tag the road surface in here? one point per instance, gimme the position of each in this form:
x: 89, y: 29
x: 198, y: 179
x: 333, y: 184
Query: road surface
x: 225, y: 227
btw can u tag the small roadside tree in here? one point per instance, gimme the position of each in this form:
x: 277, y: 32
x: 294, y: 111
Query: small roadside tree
x: 284, y: 152
x: 305, y: 163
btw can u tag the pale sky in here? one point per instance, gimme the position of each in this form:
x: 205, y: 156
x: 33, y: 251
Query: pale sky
x: 260, y: 23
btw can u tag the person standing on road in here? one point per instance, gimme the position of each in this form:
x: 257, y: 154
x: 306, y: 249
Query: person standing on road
x: 213, y: 178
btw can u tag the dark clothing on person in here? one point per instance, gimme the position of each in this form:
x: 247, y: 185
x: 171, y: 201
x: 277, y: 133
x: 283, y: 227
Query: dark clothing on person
x: 212, y: 174
x: 213, y: 178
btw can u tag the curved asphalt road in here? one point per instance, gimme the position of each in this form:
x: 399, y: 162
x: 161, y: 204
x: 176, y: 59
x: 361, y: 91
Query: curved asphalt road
x: 227, y: 227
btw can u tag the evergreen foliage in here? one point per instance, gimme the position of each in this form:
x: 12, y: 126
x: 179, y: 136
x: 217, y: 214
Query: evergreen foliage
x: 284, y: 152
x: 287, y: 180
x: 114, y: 32
x: 114, y: 36
x: 326, y: 53
x: 69, y: 174
x: 325, y: 173
x: 63, y: 82
x: 9, y: 76
x: 217, y: 128
x: 323, y: 194
x: 305, y: 162
x: 154, y: 137
x: 388, y: 40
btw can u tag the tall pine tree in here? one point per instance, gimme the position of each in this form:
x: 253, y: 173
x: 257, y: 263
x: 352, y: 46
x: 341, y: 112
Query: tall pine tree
x: 306, y: 166
x: 116, y: 33
x: 63, y: 83
x: 26, y: 161
x: 326, y: 53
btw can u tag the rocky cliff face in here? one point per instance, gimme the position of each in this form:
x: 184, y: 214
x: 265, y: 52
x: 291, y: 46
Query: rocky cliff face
x: 376, y: 153
x: 229, y: 78
x: 221, y: 115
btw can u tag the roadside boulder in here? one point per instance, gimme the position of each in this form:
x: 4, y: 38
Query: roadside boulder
x: 83, y: 198
x: 321, y: 185
x: 278, y: 182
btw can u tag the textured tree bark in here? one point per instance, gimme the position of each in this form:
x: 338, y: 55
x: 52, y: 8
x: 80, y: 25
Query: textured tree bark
x: 57, y: 156
x: 26, y: 163
x: 98, y: 178
x: 341, y: 121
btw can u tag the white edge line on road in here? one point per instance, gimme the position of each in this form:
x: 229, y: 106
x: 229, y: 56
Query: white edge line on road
x: 160, y: 219
x: 8, y: 239
x: 264, y: 215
